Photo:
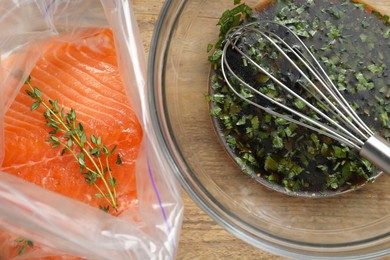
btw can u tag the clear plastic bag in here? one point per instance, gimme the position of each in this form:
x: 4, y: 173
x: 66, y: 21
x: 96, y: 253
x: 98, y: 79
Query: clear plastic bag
x: 60, y: 225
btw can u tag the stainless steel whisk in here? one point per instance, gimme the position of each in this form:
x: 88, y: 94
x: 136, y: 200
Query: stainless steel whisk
x: 348, y: 128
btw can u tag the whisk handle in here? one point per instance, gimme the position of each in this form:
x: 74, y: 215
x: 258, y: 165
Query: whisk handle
x: 377, y: 150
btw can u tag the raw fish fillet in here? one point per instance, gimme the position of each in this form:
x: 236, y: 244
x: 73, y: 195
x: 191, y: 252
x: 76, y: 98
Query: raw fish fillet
x: 82, y: 75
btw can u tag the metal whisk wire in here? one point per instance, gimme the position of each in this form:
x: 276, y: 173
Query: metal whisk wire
x: 346, y: 126
x: 354, y: 125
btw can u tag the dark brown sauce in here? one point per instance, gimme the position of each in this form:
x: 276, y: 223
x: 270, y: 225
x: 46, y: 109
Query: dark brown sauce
x: 353, y: 45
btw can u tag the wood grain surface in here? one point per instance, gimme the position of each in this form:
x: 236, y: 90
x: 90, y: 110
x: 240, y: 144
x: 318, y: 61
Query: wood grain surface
x: 201, y: 237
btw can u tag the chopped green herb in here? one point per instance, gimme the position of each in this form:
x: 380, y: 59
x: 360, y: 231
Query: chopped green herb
x: 209, y: 47
x: 350, y: 44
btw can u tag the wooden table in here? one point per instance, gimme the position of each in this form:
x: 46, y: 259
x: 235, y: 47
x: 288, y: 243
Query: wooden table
x: 201, y: 237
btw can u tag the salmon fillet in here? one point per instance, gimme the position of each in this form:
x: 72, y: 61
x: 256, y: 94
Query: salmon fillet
x: 82, y: 75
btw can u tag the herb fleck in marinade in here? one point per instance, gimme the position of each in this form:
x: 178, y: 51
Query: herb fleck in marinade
x: 353, y: 45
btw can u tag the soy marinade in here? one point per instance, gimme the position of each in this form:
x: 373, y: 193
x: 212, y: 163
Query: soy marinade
x: 353, y: 44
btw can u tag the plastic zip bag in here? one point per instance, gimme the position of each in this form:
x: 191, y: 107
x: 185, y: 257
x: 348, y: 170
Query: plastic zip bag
x: 60, y: 225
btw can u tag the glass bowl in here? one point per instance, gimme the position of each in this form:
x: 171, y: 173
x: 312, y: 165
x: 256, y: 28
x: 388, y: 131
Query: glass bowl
x: 355, y: 225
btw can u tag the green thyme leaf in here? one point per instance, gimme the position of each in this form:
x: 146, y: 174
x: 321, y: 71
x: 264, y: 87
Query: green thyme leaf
x: 55, y: 139
x: 93, y: 139
x: 81, y: 128
x: 37, y: 92
x: 28, y: 80
x: 112, y: 150
x: 105, y: 209
x: 90, y: 177
x: 81, y: 158
x: 112, y: 182
x: 21, y: 250
x: 95, y: 152
x: 105, y: 150
x: 118, y: 160
x: 35, y: 105
x: 83, y: 138
x: 31, y: 94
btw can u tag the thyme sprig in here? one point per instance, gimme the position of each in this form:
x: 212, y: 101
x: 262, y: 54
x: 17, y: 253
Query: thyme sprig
x: 22, y: 244
x: 69, y: 134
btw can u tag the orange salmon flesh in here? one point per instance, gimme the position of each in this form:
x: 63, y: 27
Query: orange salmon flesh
x: 83, y: 75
